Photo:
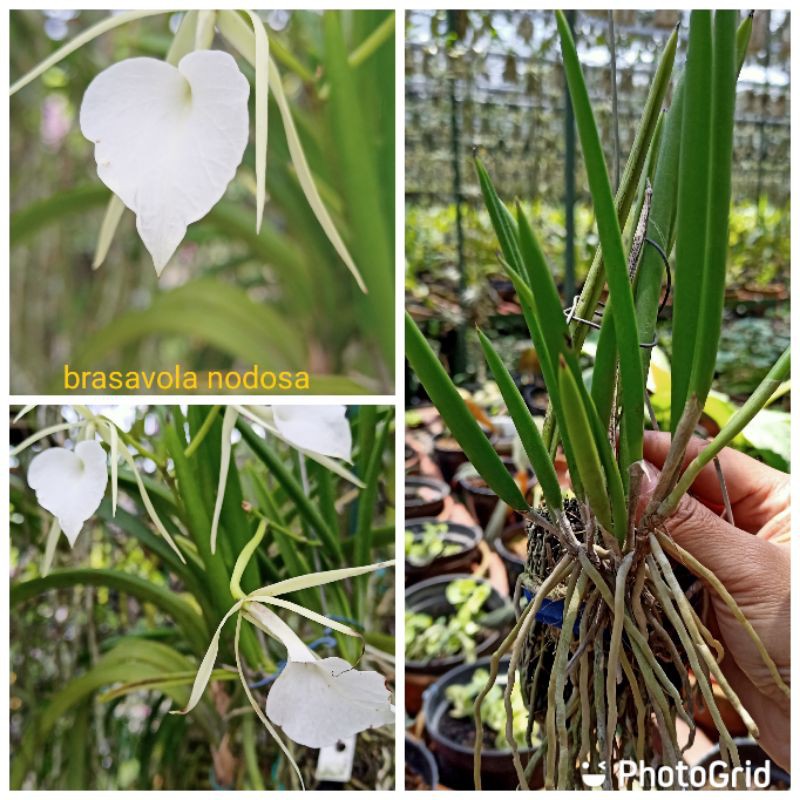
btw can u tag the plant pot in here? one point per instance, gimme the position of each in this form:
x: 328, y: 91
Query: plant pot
x: 413, y: 460
x: 422, y: 772
x: 428, y: 597
x: 503, y: 445
x: 425, y: 496
x: 455, y: 758
x: 479, y: 499
x: 536, y: 398
x: 504, y: 287
x: 513, y: 560
x: 750, y: 751
x: 448, y: 455
x: 468, y: 537
x: 504, y: 433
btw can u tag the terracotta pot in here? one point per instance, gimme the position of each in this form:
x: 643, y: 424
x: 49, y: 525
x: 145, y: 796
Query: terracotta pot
x: 479, y: 499
x: 448, y: 456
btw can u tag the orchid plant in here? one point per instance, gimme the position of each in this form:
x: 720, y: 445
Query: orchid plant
x: 296, y: 553
x: 609, y: 680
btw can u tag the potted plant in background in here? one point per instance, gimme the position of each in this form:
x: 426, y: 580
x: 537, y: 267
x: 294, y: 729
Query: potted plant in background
x: 444, y: 628
x: 437, y: 548
x: 449, y: 705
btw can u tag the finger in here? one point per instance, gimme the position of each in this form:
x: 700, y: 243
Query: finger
x: 757, y: 492
x: 770, y: 715
x: 729, y: 552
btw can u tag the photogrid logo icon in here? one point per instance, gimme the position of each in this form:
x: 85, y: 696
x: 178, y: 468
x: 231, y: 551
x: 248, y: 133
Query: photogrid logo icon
x: 593, y: 779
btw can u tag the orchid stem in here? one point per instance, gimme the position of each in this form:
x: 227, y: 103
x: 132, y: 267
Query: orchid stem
x: 202, y: 433
x: 244, y: 558
x: 383, y: 32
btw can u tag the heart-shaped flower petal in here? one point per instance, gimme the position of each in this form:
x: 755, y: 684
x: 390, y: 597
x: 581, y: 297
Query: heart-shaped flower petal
x: 317, y: 429
x: 317, y: 703
x: 168, y: 140
x: 70, y: 484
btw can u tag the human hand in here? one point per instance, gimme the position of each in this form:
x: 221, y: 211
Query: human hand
x: 752, y: 560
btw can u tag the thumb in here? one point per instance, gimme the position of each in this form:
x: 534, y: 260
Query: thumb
x: 733, y: 555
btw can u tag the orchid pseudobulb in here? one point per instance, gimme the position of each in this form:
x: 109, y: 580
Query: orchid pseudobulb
x: 168, y: 140
x: 70, y: 484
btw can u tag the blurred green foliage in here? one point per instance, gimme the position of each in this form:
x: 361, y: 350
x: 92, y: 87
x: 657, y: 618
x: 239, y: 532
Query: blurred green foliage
x: 759, y: 253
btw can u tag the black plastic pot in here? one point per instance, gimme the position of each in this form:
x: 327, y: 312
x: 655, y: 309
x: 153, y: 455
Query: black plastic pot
x: 432, y: 506
x: 536, y: 398
x: 448, y: 455
x: 503, y: 286
x: 421, y: 762
x: 468, y: 537
x: 513, y: 561
x: 412, y: 461
x: 479, y: 499
x: 750, y: 751
x: 455, y: 758
x: 428, y: 597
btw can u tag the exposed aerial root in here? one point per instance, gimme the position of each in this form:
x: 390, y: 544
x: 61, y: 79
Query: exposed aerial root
x: 613, y: 679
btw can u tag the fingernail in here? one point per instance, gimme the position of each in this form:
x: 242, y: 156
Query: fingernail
x: 650, y: 476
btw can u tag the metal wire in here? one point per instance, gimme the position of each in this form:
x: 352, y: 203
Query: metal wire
x: 569, y: 312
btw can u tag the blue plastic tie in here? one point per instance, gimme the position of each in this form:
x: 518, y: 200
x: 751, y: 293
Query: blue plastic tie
x: 551, y: 612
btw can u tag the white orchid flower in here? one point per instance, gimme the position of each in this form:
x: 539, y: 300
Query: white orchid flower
x: 70, y: 484
x: 168, y: 140
x: 322, y: 433
x: 315, y: 701
x: 318, y: 701
x: 319, y: 432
